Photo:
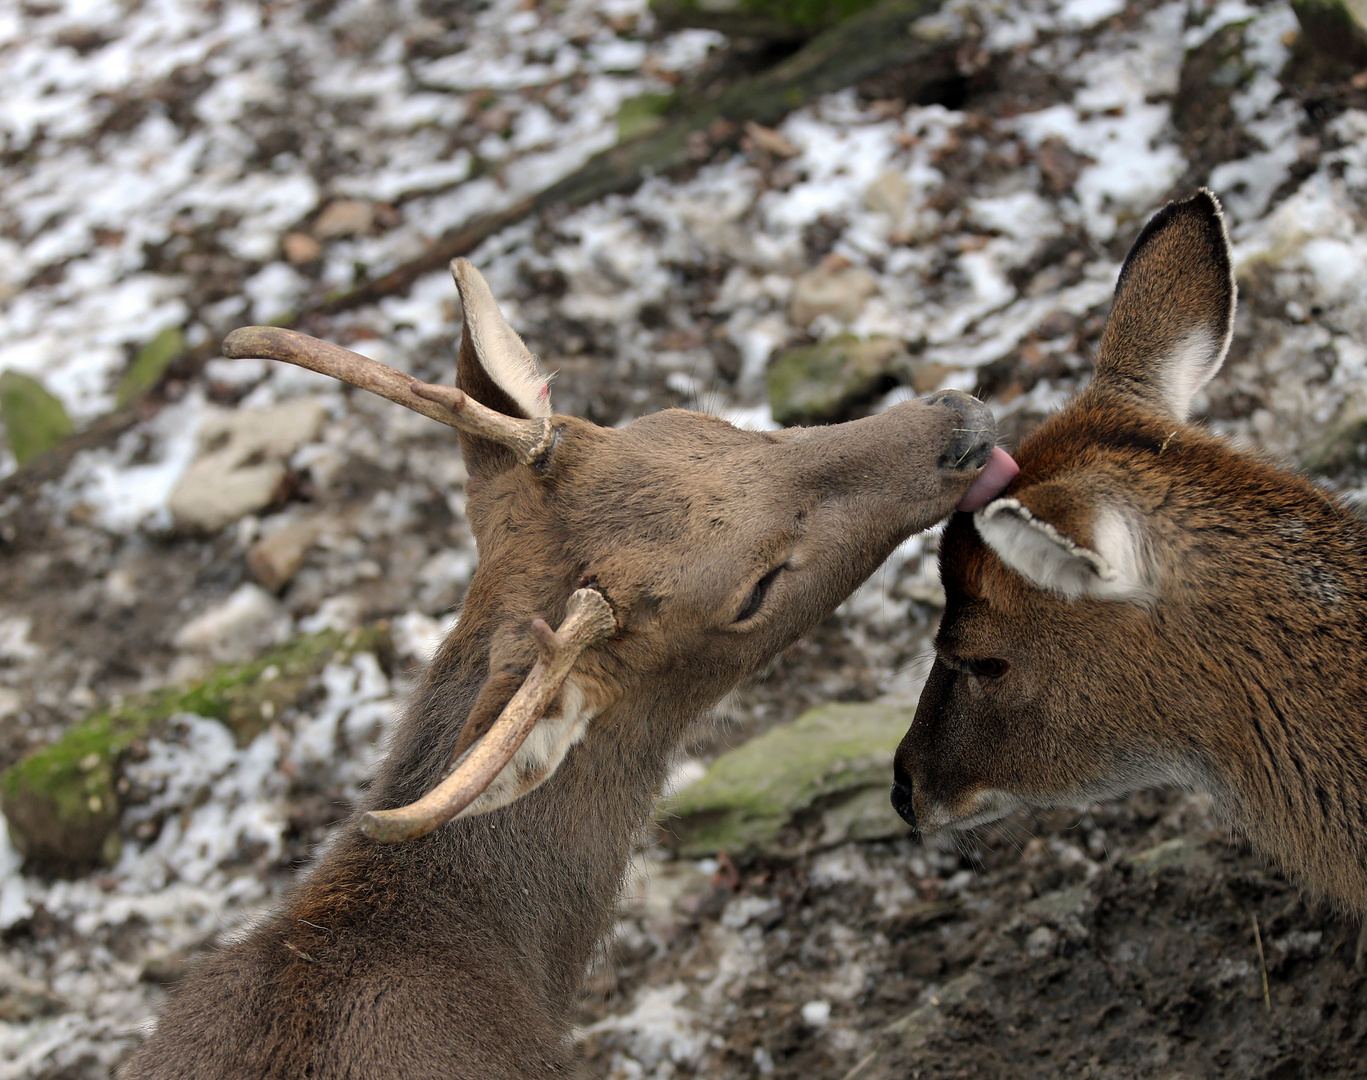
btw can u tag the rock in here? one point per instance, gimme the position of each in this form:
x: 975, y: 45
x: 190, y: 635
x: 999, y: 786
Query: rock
x: 819, y: 781
x: 770, y: 141
x: 241, y: 467
x: 819, y: 382
x: 1181, y: 853
x: 61, y: 801
x: 276, y: 557
x: 837, y: 291
x: 34, y: 419
x: 344, y: 217
x: 301, y: 249
x: 642, y: 114
x: 249, y: 621
x: 1337, y: 28
x: 151, y: 363
x: 890, y: 194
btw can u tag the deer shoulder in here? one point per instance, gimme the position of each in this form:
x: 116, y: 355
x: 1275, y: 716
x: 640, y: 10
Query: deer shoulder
x: 1146, y: 605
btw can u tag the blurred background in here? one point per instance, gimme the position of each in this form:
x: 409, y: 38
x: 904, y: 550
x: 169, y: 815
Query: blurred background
x: 218, y: 578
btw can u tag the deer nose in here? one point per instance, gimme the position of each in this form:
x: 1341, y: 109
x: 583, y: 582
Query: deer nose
x: 901, y: 797
x: 976, y: 434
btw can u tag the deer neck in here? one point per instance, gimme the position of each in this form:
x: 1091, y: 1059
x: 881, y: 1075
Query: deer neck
x: 523, y: 892
x: 1285, y: 761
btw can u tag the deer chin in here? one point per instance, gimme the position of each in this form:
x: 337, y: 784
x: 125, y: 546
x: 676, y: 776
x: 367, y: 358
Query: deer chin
x: 980, y: 808
x: 540, y: 755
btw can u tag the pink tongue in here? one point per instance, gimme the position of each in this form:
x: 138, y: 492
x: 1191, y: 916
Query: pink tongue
x: 1000, y: 470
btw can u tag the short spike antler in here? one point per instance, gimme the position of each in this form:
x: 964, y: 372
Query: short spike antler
x: 588, y: 620
x: 528, y: 439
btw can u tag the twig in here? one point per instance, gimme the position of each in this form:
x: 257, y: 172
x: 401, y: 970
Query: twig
x: 1262, y: 961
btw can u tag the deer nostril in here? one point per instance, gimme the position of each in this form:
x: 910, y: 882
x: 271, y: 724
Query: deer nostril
x: 901, y: 800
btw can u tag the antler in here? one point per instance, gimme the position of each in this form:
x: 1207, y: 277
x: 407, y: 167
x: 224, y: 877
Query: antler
x: 528, y: 439
x: 588, y: 620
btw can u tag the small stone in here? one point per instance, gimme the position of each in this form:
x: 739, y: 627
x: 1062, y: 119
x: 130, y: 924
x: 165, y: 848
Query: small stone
x: 839, y: 293
x: 301, y: 248
x: 769, y: 140
x: 344, y: 217
x: 275, y: 558
x: 890, y: 194
x: 1041, y: 942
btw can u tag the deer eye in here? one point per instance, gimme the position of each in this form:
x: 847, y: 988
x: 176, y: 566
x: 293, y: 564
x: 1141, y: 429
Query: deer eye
x: 985, y: 667
x: 757, y: 595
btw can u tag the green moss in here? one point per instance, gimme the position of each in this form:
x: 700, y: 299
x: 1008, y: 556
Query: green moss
x: 35, y: 420
x: 817, y: 382
x: 151, y: 363
x: 642, y: 114
x: 833, y: 764
x: 62, y: 801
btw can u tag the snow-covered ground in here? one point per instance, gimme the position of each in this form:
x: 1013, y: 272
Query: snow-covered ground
x: 159, y: 155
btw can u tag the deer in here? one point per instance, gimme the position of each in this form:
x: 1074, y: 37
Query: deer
x: 1144, y: 604
x: 445, y: 931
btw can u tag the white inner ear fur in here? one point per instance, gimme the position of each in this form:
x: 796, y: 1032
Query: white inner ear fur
x: 1115, y: 570
x: 539, y: 756
x: 503, y: 354
x: 1194, y: 362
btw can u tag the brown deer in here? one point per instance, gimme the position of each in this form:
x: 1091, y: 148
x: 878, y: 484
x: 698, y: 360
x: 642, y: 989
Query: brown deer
x: 678, y: 555
x: 1146, y: 605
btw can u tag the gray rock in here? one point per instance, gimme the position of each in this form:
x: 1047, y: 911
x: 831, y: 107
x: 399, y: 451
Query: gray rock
x: 242, y: 463
x: 838, y: 291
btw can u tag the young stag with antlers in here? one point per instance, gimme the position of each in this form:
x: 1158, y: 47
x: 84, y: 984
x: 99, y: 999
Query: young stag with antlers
x: 1146, y: 605
x: 677, y: 555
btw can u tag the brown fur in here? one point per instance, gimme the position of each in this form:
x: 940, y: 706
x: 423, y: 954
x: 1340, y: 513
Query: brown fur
x: 460, y: 954
x: 1237, y: 663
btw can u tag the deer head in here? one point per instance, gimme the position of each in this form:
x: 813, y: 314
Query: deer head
x: 677, y: 555
x: 1047, y: 670
x: 1145, y: 605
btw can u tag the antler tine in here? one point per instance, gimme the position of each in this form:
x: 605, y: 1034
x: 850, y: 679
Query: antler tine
x: 528, y: 439
x: 588, y: 620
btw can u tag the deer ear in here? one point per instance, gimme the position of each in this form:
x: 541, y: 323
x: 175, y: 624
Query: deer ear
x: 1173, y: 315
x: 495, y: 367
x: 1071, y: 536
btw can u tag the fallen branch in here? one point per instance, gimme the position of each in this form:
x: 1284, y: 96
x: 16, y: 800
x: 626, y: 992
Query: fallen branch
x: 868, y: 44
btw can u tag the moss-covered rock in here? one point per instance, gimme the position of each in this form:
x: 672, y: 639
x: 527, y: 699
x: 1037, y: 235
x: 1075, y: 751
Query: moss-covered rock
x: 817, y: 383
x: 818, y: 781
x: 779, y: 19
x: 34, y: 419
x: 1181, y: 853
x: 151, y: 363
x: 62, y: 803
x: 642, y: 114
